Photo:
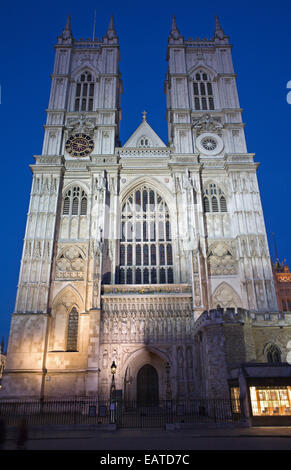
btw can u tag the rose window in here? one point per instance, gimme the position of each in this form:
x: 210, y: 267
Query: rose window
x: 209, y: 143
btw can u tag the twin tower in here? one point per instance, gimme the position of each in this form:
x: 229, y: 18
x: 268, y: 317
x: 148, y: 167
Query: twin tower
x: 127, y: 245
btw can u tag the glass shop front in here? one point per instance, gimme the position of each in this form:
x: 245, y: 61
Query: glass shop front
x: 270, y: 400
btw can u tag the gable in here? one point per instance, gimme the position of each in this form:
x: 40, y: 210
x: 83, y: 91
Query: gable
x: 144, y: 137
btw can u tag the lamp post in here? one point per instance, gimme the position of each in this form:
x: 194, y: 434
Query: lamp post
x: 112, y: 393
x: 112, y: 387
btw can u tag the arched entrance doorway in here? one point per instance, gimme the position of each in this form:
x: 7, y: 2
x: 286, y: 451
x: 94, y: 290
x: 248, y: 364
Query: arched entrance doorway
x: 147, y: 386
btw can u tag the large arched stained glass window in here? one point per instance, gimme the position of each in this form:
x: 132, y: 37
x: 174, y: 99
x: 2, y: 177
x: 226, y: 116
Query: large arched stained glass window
x: 146, y: 245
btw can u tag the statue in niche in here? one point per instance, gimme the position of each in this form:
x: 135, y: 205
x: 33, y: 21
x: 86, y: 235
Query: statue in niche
x: 115, y: 327
x: 151, y: 324
x: 132, y: 325
x: 178, y: 184
x: 124, y: 327
x: 101, y: 182
x: 105, y: 323
x: 105, y: 359
x: 98, y: 251
x: 187, y: 181
x: 141, y: 326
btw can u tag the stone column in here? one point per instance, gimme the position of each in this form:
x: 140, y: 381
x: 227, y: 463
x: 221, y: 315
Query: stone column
x: 92, y: 379
x: 244, y: 400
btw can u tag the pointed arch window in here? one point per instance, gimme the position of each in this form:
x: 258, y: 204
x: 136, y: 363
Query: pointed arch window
x: 72, y: 335
x: 203, y: 91
x: 273, y: 354
x: 75, y: 202
x: 84, y: 97
x: 146, y: 243
x: 144, y: 142
x: 214, y: 199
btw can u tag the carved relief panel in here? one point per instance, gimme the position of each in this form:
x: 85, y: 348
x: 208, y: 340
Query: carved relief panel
x: 70, y: 263
x: 221, y: 260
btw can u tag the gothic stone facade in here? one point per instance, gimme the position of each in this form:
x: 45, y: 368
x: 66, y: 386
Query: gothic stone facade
x: 146, y: 253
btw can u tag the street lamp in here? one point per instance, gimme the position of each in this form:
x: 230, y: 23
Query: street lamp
x: 112, y: 388
x: 112, y: 393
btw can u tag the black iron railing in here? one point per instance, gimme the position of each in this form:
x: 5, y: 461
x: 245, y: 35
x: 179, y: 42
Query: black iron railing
x: 125, y: 414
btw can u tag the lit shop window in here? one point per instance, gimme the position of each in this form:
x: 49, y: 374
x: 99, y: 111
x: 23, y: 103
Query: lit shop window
x: 235, y: 399
x: 271, y: 401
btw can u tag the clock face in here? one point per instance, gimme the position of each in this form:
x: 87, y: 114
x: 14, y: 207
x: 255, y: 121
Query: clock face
x: 79, y: 145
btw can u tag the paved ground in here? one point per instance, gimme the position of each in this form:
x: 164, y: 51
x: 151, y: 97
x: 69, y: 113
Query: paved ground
x: 89, y: 438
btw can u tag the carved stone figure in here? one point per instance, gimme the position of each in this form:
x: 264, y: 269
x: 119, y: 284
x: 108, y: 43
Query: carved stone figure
x: 207, y: 123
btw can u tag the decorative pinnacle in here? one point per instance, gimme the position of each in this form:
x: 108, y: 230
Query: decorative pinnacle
x: 68, y: 24
x: 217, y: 23
x: 174, y: 25
x: 111, y: 28
x: 219, y: 33
x: 66, y: 35
x: 144, y: 115
x: 175, y: 33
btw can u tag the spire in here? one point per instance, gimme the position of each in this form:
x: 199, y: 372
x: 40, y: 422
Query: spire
x: 174, y: 25
x: 218, y: 33
x: 175, y: 33
x: 68, y: 24
x: 275, y: 247
x: 111, y: 25
x: 111, y: 32
x: 66, y: 36
x: 217, y: 24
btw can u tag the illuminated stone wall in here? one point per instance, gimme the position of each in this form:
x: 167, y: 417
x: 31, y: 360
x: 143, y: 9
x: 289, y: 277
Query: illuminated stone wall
x: 225, y: 339
x: 71, y: 267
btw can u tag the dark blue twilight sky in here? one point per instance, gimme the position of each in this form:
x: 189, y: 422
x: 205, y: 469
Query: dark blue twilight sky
x: 260, y: 33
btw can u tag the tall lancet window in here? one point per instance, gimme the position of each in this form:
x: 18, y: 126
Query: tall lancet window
x: 84, y: 93
x: 214, y: 199
x: 146, y: 255
x: 75, y: 202
x: 203, y: 91
x: 72, y: 335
